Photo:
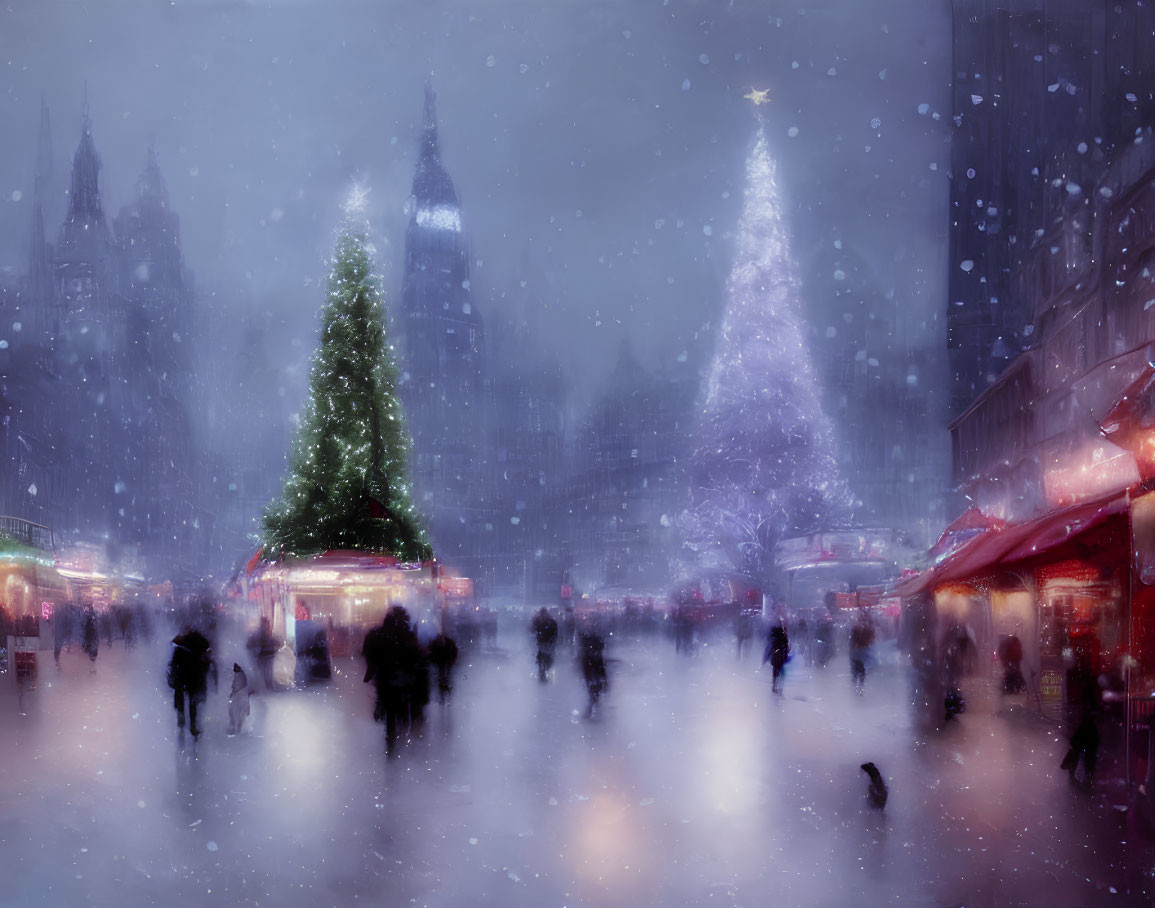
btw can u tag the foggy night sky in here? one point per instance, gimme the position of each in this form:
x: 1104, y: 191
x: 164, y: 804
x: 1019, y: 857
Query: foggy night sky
x: 565, y: 125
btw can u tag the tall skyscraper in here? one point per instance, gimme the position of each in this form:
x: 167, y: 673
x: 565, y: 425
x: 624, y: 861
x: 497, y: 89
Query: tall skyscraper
x: 443, y: 376
x: 88, y: 352
x: 156, y: 374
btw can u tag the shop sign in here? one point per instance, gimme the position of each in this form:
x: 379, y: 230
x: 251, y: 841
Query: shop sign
x: 1051, y: 687
x: 1070, y: 571
x: 456, y: 586
x: 850, y: 547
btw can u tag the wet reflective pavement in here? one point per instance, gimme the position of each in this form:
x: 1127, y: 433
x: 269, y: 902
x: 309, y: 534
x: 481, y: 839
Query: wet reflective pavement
x: 694, y: 785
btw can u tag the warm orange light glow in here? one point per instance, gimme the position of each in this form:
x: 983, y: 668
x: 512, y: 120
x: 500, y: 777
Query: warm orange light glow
x: 1103, y: 469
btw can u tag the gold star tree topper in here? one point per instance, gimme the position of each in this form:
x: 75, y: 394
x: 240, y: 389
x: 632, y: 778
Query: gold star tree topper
x: 758, y: 97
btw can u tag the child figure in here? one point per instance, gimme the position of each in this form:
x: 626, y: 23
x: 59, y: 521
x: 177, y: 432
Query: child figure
x: 238, y: 700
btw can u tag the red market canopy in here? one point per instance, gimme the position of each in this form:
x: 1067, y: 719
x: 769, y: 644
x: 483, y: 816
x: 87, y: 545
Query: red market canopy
x: 1003, y: 546
x: 970, y: 523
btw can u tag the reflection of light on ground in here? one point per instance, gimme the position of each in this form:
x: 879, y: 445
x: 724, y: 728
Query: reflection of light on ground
x: 730, y: 756
x: 609, y: 846
x: 305, y: 741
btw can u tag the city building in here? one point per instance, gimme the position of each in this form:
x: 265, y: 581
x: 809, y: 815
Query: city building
x: 1045, y: 93
x: 443, y: 377
x: 95, y: 433
x: 865, y: 364
x: 529, y: 428
x: 1054, y: 459
x: 618, y: 510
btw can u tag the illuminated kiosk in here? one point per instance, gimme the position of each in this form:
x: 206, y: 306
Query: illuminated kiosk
x: 825, y: 569
x: 31, y: 588
x: 346, y: 592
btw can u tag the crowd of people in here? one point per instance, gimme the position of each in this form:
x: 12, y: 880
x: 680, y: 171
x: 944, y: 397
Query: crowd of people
x: 403, y: 669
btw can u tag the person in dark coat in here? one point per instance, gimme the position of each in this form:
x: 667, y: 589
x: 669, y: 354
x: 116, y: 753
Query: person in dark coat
x: 443, y: 656
x: 1084, y: 749
x: 263, y: 646
x: 91, y: 634
x: 861, y: 640
x: 777, y: 651
x: 593, y: 665
x: 544, y: 628
x: 396, y: 664
x: 188, y: 673
x: 1011, y: 655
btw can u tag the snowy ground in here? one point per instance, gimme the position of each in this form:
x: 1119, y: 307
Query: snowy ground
x: 695, y: 786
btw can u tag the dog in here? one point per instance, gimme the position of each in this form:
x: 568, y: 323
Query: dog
x: 878, y: 792
x: 238, y: 700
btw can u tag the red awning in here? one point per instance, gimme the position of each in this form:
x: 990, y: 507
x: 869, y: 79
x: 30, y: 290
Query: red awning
x: 1004, y: 546
x: 962, y: 530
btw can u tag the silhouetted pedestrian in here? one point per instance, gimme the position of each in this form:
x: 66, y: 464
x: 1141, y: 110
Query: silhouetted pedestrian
x: 878, y: 791
x: 443, y: 656
x: 123, y: 615
x: 777, y: 652
x: 91, y: 636
x: 593, y: 665
x: 861, y: 640
x: 263, y: 646
x: 1084, y: 749
x: 743, y: 632
x: 1011, y: 655
x: 396, y: 664
x: 824, y: 641
x: 801, y: 638
x: 545, y: 630
x: 188, y: 673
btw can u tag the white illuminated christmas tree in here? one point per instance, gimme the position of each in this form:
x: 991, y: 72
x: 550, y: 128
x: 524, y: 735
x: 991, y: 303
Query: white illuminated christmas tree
x: 762, y: 467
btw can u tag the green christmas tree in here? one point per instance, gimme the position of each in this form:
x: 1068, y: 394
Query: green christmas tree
x: 347, y: 486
